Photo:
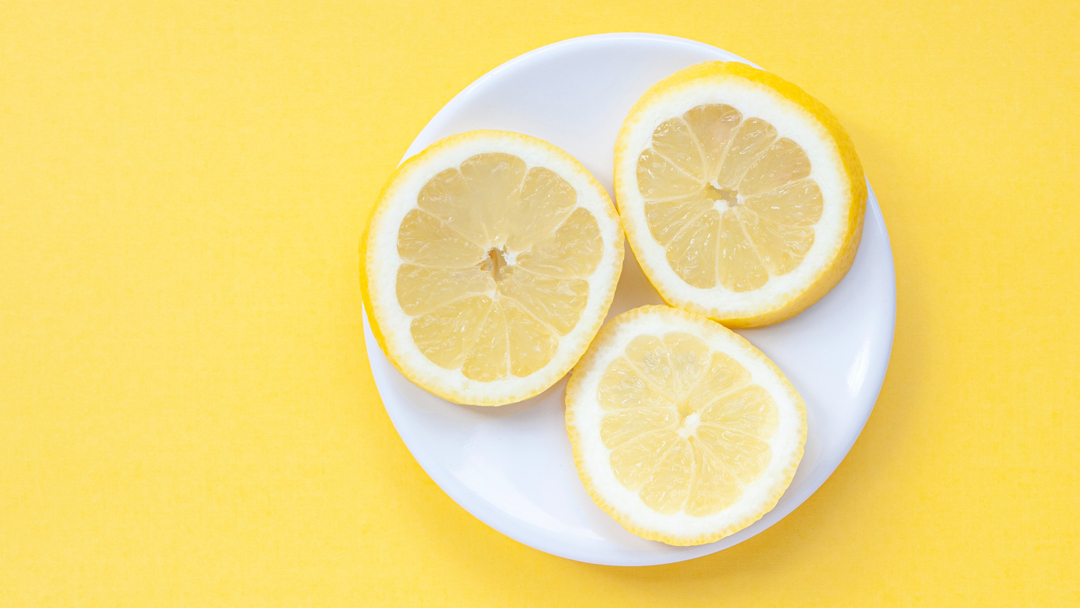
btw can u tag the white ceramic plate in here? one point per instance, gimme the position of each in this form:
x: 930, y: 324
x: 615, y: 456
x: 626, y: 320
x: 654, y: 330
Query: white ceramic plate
x: 511, y: 466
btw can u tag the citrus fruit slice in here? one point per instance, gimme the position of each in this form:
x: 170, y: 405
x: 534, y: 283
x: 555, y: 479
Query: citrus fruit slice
x: 489, y: 263
x: 742, y: 196
x: 681, y: 430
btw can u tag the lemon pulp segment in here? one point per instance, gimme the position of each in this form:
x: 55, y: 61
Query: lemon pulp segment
x: 741, y: 196
x: 681, y: 430
x: 496, y: 258
x: 729, y: 199
x: 686, y: 428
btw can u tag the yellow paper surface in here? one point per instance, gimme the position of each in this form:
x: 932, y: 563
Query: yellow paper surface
x: 186, y: 413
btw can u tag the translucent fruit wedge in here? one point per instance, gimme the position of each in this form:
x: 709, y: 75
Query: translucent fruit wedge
x: 681, y: 430
x: 742, y: 196
x: 489, y: 263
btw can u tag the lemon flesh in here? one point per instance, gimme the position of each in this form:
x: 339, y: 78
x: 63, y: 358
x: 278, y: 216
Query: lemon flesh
x: 681, y: 430
x: 742, y: 196
x: 731, y: 201
x: 497, y: 262
x: 474, y: 309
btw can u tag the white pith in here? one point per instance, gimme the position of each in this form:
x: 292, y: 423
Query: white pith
x: 584, y: 418
x: 382, y: 262
x: 752, y: 100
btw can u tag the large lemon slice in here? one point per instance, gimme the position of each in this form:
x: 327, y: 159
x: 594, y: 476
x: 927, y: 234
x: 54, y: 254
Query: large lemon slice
x: 741, y: 195
x: 489, y: 263
x: 681, y: 429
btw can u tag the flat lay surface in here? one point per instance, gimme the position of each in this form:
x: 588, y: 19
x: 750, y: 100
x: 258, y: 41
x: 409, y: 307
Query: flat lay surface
x: 188, y: 413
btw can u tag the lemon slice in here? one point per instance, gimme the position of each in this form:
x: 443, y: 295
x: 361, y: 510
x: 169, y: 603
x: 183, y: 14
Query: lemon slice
x: 681, y: 430
x: 489, y: 264
x: 742, y: 196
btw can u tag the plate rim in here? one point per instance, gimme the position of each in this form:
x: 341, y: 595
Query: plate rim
x: 457, y: 100
x: 490, y: 515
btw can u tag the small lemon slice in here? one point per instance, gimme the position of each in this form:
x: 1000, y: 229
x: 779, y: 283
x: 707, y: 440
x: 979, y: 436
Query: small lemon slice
x: 742, y: 196
x: 681, y: 430
x: 489, y: 263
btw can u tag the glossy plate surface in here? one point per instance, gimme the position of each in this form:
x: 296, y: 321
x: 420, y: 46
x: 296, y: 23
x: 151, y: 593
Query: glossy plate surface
x: 511, y: 466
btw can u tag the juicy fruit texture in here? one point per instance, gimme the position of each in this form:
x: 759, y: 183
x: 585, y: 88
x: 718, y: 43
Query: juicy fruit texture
x: 496, y: 261
x: 488, y: 265
x: 681, y: 430
x: 729, y: 199
x: 741, y: 196
x: 686, y: 428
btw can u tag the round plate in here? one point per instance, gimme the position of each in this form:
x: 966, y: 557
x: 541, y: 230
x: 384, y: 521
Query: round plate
x: 511, y: 466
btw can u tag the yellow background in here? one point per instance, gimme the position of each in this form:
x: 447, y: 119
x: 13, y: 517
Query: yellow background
x: 186, y: 413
